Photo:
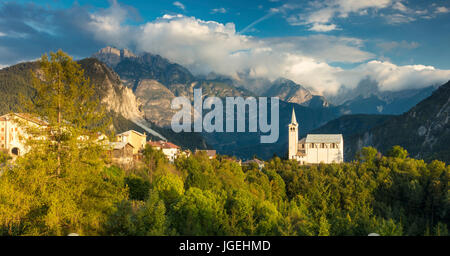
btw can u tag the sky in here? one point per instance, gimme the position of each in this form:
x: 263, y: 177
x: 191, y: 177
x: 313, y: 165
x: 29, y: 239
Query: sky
x: 323, y: 45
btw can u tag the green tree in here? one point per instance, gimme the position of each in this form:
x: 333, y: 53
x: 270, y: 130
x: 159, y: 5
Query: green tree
x: 155, y: 161
x: 324, y: 227
x: 398, y: 152
x: 4, y: 157
x: 200, y: 212
x: 61, y: 185
x: 367, y: 154
x: 66, y: 100
x: 139, y: 188
x: 170, y: 187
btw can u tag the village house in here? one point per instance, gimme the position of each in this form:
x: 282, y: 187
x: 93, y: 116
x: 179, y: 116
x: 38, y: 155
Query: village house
x: 121, y: 152
x: 136, y: 139
x: 12, y: 134
x: 258, y: 162
x: 314, y: 148
x: 211, y: 153
x: 169, y: 149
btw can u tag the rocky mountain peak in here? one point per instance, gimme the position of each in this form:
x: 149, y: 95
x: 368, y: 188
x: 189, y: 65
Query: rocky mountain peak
x: 125, y: 53
x: 290, y: 91
x: 109, y: 50
x: 112, y: 56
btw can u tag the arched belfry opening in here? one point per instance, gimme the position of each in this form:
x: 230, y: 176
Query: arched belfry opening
x: 15, y: 151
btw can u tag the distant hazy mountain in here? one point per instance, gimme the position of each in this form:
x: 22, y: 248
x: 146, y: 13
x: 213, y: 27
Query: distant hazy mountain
x: 424, y: 130
x: 367, y: 98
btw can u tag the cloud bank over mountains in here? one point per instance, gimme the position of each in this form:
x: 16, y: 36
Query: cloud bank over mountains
x: 204, y: 46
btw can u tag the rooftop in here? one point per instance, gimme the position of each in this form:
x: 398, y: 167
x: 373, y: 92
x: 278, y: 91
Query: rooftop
x: 209, y: 152
x: 256, y: 161
x: 24, y: 116
x: 324, y: 138
x: 162, y: 144
x: 119, y: 145
x: 129, y: 132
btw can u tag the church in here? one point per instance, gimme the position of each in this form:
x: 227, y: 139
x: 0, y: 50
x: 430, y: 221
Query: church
x: 315, y: 148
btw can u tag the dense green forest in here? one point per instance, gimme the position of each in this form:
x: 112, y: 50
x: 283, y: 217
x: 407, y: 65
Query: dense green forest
x: 389, y: 195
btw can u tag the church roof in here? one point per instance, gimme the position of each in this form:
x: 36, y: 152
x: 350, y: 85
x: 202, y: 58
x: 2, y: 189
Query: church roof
x: 324, y: 138
x: 293, y: 119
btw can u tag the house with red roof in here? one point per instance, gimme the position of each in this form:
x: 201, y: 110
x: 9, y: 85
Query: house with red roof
x: 169, y: 149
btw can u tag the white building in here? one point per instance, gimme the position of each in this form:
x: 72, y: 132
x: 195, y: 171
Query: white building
x: 315, y: 148
x: 12, y: 133
x: 169, y: 149
x: 136, y: 139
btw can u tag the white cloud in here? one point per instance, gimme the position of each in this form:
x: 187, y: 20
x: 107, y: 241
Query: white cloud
x: 442, y: 9
x: 392, y: 45
x: 219, y: 10
x: 322, y: 27
x: 322, y: 14
x: 398, y: 18
x: 400, y: 7
x: 179, y: 5
x: 344, y: 7
x: 206, y: 46
x: 392, y: 77
x: 323, y: 48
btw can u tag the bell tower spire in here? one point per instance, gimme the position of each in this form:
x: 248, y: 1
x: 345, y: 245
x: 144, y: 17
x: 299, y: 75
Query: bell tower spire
x: 293, y: 136
x: 293, y: 119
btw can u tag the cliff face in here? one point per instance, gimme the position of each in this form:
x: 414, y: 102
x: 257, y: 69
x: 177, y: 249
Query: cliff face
x: 156, y: 81
x: 116, y: 97
x: 112, y: 56
x: 156, y: 100
x: 291, y: 92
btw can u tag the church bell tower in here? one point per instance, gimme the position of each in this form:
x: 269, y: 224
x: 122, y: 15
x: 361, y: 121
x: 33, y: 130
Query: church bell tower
x: 293, y: 136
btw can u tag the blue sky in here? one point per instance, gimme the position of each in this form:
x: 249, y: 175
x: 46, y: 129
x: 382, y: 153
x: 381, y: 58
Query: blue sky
x: 339, y: 40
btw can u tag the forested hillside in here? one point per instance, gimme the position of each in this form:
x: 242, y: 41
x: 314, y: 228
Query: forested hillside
x: 120, y: 101
x: 389, y: 195
x: 424, y: 130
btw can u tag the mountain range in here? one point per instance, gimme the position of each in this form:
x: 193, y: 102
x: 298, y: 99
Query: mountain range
x: 120, y: 101
x: 138, y: 89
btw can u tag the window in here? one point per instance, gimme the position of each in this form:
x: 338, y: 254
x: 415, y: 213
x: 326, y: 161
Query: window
x: 333, y: 145
x: 303, y: 145
x: 312, y: 145
x: 322, y: 145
